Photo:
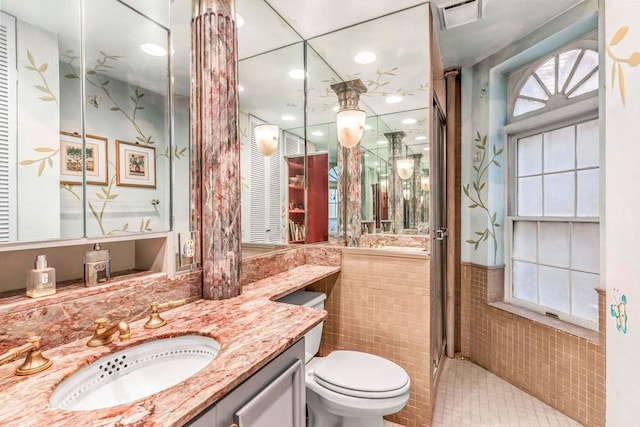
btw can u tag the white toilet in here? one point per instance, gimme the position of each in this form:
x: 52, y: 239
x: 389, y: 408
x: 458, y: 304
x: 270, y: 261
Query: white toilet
x: 348, y: 388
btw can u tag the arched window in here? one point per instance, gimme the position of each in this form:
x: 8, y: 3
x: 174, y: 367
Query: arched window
x: 554, y: 81
x: 553, y: 185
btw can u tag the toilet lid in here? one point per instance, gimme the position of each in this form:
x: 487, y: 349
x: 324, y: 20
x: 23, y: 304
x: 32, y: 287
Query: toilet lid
x: 361, y: 375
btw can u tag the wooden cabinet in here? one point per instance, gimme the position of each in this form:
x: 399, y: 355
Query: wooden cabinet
x: 308, y: 211
x: 272, y: 397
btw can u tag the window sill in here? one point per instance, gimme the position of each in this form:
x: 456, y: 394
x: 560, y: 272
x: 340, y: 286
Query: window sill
x: 575, y: 330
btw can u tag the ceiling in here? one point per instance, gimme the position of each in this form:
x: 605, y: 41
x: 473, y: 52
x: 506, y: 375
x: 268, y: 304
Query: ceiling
x: 503, y: 22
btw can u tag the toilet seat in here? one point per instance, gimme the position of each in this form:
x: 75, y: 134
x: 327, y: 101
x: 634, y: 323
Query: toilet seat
x: 361, y: 375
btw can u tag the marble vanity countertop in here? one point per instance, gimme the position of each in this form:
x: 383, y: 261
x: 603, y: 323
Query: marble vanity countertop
x: 251, y: 329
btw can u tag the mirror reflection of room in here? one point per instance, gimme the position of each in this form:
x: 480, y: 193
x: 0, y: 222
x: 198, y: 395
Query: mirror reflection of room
x: 298, y: 193
x: 87, y: 143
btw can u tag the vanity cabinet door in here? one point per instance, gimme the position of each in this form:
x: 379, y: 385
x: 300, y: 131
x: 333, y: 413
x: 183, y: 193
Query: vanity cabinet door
x: 277, y: 405
x: 272, y: 397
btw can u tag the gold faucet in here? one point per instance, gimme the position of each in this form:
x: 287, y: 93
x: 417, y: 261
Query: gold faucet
x: 155, y: 321
x: 104, y: 336
x: 33, y: 362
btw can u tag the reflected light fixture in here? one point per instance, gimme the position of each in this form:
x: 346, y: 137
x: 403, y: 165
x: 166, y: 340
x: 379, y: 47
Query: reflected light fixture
x: 365, y: 57
x: 266, y: 138
x: 350, y: 119
x: 367, y: 127
x: 393, y: 99
x: 406, y: 193
x: 409, y: 121
x: 421, y: 138
x: 240, y: 88
x: 405, y: 168
x: 239, y: 20
x: 297, y: 74
x: 382, y: 142
x: 383, y: 185
x: 288, y: 118
x: 424, y: 183
x: 317, y: 133
x: 153, y: 49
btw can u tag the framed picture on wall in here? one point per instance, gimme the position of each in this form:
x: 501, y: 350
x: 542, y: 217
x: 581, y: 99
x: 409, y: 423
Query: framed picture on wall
x: 96, y: 162
x: 135, y: 165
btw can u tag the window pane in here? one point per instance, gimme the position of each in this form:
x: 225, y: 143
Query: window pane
x: 587, y: 64
x: 559, y: 153
x: 523, y: 106
x: 588, y: 144
x: 524, y: 241
x: 588, y: 86
x: 565, y: 63
x: 588, y: 192
x: 530, y: 196
x: 547, y: 73
x: 532, y: 89
x: 584, y: 298
x: 554, y: 244
x: 530, y: 155
x: 559, y: 194
x: 525, y: 281
x: 585, y: 247
x: 554, y: 288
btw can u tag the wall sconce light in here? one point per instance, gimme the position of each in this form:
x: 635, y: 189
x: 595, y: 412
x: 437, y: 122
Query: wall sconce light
x: 424, y: 183
x: 266, y: 138
x: 405, y: 168
x: 350, y: 119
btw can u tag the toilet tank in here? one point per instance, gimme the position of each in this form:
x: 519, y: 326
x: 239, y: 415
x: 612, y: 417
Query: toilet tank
x: 312, y: 300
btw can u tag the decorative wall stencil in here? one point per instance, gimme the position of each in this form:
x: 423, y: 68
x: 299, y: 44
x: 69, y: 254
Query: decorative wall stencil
x: 96, y: 159
x: 617, y: 69
x: 474, y: 190
x: 40, y: 69
x: 619, y: 311
x: 97, y: 79
x: 42, y: 161
x: 135, y: 165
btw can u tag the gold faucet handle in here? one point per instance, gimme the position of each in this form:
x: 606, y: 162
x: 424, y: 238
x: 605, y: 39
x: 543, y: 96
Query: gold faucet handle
x: 35, y: 361
x: 100, y: 322
x: 155, y: 320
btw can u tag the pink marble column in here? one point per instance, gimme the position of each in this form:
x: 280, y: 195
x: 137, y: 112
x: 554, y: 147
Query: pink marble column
x: 396, y: 199
x: 349, y: 174
x: 215, y: 146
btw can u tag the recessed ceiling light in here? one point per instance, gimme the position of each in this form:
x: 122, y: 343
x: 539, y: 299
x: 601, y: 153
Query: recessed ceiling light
x: 421, y: 138
x: 375, y: 163
x: 365, y: 57
x: 382, y: 142
x: 297, y: 74
x: 153, y: 49
x: 239, y: 20
x: 426, y: 149
x: 240, y: 88
x: 336, y: 109
x: 288, y: 118
x: 317, y: 133
x: 409, y: 121
x: 393, y: 99
x: 367, y: 127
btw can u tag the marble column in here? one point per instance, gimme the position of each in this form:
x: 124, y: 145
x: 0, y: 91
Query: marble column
x: 215, y: 147
x: 349, y: 171
x: 416, y: 191
x: 394, y: 185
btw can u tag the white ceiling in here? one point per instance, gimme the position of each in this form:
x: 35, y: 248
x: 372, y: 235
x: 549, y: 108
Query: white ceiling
x: 503, y: 22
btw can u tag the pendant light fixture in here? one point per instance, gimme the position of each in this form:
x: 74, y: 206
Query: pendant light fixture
x: 266, y: 138
x: 350, y: 119
x: 424, y: 183
x: 404, y: 168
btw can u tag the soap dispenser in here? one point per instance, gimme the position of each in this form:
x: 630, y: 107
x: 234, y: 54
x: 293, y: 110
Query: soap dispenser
x: 41, y: 281
x: 97, y: 266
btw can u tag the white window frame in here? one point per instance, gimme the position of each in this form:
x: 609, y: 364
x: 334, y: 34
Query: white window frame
x: 575, y: 111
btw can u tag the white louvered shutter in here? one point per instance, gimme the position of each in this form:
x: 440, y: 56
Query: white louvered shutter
x: 8, y: 202
x: 265, y: 192
x: 293, y: 145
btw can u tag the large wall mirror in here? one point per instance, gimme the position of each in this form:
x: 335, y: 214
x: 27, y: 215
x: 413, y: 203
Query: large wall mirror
x: 85, y: 141
x: 291, y: 195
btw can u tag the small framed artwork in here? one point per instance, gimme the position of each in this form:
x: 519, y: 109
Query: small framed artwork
x: 135, y: 165
x: 96, y: 165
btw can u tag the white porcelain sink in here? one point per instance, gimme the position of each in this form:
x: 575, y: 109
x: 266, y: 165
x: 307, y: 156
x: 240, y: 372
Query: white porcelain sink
x: 134, y: 373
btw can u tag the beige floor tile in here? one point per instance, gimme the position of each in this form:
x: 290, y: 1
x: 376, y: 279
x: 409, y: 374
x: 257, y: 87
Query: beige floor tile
x: 470, y: 395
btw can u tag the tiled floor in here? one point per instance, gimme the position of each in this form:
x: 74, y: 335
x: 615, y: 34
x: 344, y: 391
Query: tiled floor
x: 469, y: 395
